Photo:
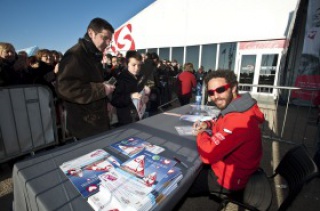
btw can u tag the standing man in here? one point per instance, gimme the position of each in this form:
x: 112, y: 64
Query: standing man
x: 186, y: 81
x: 128, y: 90
x: 80, y: 82
x: 234, y: 150
x: 149, y: 77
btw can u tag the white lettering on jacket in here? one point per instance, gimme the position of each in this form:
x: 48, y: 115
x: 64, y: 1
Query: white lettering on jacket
x: 217, y: 138
x: 227, y: 131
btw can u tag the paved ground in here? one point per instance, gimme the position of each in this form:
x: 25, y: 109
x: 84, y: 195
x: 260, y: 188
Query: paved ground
x: 6, y: 186
x: 308, y: 199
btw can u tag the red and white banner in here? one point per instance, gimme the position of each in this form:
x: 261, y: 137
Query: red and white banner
x: 307, y: 75
x: 266, y: 44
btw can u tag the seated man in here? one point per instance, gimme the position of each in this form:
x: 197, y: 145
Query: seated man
x: 234, y: 150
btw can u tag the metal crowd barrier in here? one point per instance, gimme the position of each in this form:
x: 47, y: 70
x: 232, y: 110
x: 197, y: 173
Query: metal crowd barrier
x: 288, y: 120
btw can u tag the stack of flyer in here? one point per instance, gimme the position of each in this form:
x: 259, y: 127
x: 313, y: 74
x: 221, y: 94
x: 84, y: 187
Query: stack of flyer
x: 139, y: 184
x: 195, y: 118
x: 167, y: 184
x: 128, y: 191
x: 204, y: 110
x: 201, y: 113
x: 83, y: 171
x: 133, y: 145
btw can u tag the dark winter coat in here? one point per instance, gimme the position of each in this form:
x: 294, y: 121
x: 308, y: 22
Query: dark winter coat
x: 5, y: 73
x: 149, y: 74
x: 80, y: 85
x: 9, y: 76
x: 121, y: 98
x: 44, y: 75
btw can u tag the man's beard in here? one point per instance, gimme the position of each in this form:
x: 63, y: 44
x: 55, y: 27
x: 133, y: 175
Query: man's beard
x: 222, y: 103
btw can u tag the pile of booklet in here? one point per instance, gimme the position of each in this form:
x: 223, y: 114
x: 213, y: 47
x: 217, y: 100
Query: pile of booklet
x: 84, y: 171
x: 133, y: 145
x: 201, y: 113
x: 197, y: 113
x: 139, y: 183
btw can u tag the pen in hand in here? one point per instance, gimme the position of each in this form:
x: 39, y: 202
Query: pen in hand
x: 197, y: 125
x: 182, y: 163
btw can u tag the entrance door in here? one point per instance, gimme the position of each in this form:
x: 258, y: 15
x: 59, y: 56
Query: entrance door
x: 258, y: 69
x: 247, y: 71
x: 267, y: 72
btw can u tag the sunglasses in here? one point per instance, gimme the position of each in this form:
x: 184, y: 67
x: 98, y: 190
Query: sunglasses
x: 219, y: 90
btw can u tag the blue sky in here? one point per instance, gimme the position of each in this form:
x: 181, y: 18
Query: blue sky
x: 58, y: 24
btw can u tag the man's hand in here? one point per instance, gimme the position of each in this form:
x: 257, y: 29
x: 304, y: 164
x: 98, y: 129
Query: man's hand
x: 147, y: 90
x: 136, y: 95
x: 146, y: 99
x: 109, y: 107
x: 199, y: 127
x: 108, y: 88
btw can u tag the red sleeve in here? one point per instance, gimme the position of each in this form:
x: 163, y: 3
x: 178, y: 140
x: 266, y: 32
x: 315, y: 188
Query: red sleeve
x: 223, y: 141
x: 209, y: 124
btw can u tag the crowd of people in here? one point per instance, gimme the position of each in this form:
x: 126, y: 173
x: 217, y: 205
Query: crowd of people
x: 80, y: 80
x: 19, y: 68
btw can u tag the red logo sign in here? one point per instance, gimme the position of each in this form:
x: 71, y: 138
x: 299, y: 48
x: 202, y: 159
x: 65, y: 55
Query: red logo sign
x: 123, y: 39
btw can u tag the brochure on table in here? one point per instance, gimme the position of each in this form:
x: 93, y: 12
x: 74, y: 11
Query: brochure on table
x: 185, y: 130
x: 188, y: 130
x: 139, y: 183
x: 83, y: 171
x: 200, y: 113
x: 204, y: 110
x: 128, y: 193
x: 133, y: 145
x: 148, y: 166
x: 128, y: 190
x: 195, y: 118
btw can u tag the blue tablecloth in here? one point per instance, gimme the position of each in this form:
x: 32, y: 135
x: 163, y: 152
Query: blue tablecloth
x: 39, y: 184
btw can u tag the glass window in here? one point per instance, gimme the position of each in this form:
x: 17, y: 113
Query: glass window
x: 164, y: 53
x: 227, y: 55
x: 153, y: 50
x: 248, y: 63
x: 141, y: 51
x: 269, y: 63
x: 177, y: 53
x: 193, y: 55
x: 208, y: 58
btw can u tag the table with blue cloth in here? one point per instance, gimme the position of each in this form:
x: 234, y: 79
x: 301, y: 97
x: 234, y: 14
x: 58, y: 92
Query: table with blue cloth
x: 39, y: 183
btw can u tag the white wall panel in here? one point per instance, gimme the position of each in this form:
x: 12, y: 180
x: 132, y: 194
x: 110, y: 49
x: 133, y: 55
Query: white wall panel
x: 167, y: 23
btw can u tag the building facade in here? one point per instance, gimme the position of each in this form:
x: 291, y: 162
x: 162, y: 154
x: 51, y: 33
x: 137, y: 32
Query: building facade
x: 261, y: 41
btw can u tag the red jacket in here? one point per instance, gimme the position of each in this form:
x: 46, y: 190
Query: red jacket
x: 234, y: 150
x: 186, y: 81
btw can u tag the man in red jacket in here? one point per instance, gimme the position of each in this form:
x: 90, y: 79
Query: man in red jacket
x: 185, y: 82
x: 234, y: 150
